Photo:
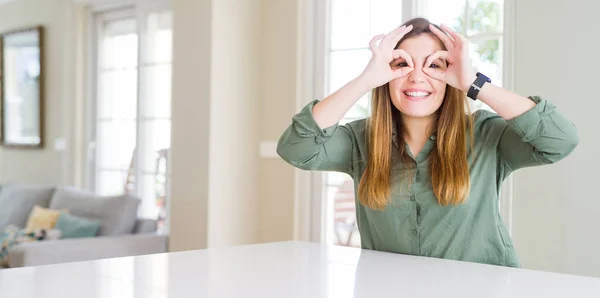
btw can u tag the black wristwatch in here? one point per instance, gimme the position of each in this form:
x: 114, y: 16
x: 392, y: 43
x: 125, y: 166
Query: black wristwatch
x: 477, y: 84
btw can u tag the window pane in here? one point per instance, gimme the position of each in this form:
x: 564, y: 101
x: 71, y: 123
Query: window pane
x: 149, y: 186
x: 159, y: 38
x: 360, y: 110
x: 447, y: 12
x: 345, y: 231
x: 118, y: 44
x: 350, y: 24
x: 156, y: 136
x: 110, y: 183
x: 117, y: 94
x: 486, y: 55
x: 485, y: 16
x: 345, y: 66
x: 133, y: 130
x: 156, y: 91
x: 385, y: 16
x: 336, y: 178
x: 115, y: 143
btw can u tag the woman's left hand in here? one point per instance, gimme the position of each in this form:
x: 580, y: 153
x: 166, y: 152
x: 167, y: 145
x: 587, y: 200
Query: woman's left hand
x: 459, y: 73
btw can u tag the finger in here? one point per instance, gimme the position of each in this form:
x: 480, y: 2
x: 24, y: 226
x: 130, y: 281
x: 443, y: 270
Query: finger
x: 435, y: 74
x: 437, y: 55
x: 460, y: 40
x: 373, y: 43
x: 400, y: 34
x: 443, y: 36
x: 396, y: 34
x: 400, y: 53
x: 401, y: 72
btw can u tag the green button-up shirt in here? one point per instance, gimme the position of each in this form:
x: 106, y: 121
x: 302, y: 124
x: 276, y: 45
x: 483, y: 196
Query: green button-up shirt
x: 414, y: 222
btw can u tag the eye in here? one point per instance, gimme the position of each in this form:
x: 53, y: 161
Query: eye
x: 434, y: 65
x: 401, y: 64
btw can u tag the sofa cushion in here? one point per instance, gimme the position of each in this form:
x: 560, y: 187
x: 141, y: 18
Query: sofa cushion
x: 116, y: 214
x: 17, y: 201
x: 145, y: 226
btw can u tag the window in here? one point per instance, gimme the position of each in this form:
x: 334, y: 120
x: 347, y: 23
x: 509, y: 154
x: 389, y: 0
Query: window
x: 352, y: 24
x: 131, y: 130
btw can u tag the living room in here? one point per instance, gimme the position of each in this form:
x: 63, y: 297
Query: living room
x: 156, y: 123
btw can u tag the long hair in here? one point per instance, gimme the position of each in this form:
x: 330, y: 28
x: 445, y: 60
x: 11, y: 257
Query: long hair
x: 448, y: 163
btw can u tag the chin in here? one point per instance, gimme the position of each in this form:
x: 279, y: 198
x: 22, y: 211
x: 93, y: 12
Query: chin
x: 417, y: 113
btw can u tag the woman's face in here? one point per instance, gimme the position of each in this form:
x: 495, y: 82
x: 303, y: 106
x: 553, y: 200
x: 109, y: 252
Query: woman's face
x: 417, y: 94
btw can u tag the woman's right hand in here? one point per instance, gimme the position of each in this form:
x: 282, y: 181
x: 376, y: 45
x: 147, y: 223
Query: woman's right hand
x: 379, y: 71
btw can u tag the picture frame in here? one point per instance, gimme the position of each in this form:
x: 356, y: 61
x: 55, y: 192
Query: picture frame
x: 22, y: 88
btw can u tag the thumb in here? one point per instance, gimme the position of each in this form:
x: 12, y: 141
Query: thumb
x: 435, y: 73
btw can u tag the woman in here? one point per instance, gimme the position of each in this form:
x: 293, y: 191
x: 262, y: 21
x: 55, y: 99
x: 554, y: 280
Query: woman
x: 427, y: 174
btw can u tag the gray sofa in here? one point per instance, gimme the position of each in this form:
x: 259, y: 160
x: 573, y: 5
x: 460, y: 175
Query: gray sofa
x: 121, y: 232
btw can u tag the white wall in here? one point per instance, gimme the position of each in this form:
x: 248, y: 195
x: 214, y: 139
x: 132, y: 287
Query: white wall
x: 556, y: 207
x: 236, y: 70
x: 190, y: 130
x: 278, y: 104
x: 216, y: 104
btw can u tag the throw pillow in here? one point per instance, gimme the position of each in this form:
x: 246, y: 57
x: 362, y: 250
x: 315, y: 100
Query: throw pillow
x: 72, y: 226
x: 42, y: 218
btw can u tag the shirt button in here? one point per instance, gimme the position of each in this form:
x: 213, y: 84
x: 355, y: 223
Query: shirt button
x: 414, y: 232
x: 412, y: 198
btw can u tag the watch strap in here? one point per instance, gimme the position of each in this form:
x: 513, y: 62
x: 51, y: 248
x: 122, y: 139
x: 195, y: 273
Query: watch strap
x: 477, y: 85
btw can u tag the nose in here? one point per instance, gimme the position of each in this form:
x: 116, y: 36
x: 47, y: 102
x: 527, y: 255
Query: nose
x: 417, y: 75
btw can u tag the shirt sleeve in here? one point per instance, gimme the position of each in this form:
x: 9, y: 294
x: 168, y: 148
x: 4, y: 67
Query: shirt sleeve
x: 539, y: 136
x: 307, y: 146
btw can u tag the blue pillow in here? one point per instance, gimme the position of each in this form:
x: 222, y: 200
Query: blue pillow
x: 72, y: 226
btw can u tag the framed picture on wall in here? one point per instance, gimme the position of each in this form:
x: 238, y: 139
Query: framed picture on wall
x: 21, y: 88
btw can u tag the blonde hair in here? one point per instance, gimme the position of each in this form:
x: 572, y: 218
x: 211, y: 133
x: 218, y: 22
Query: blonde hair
x: 448, y: 160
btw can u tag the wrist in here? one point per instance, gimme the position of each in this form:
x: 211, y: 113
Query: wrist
x: 466, y: 86
x: 363, y: 84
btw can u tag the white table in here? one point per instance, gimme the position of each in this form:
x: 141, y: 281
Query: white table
x: 287, y: 269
